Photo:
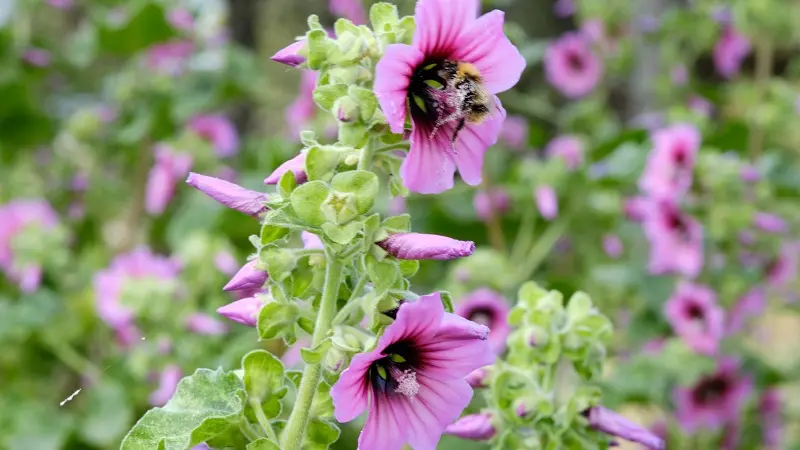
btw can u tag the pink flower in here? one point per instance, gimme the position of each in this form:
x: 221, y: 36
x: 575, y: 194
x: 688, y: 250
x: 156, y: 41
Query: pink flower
x: 296, y: 165
x: 181, y: 19
x: 248, y: 277
x: 749, y: 305
x: 206, y: 325
x: 426, y: 246
x: 611, y: 423
x: 770, y: 223
x: 226, y: 263
x: 680, y: 75
x: 169, y: 58
x: 231, y: 195
x: 730, y: 51
x: 612, y: 246
x: 700, y: 106
x: 412, y: 383
x: 783, y: 269
x: 61, y: 4
x: 567, y: 147
x: 571, y: 66
x: 303, y: 109
x: 547, y: 202
x: 37, y: 57
x: 292, y: 356
x: 449, y: 38
x: 477, y: 427
x: 219, y: 131
x: 564, y: 8
x: 696, y: 317
x: 169, y: 168
x: 110, y: 285
x: 514, y: 132
x: 670, y: 165
x: 477, y: 378
x: 167, y: 385
x: 487, y: 307
x: 244, y: 311
x: 16, y: 217
x: 289, y: 55
x: 398, y: 205
x: 352, y: 10
x: 311, y: 241
x: 750, y: 174
x: 488, y: 204
x: 676, y: 240
x: 713, y: 401
x: 770, y: 409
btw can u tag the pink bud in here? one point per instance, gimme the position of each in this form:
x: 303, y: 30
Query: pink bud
x: 297, y: 165
x: 167, y: 384
x: 547, y: 201
x: 289, y: 55
x: 248, y: 277
x: 231, y: 195
x: 477, y: 427
x: 244, y: 311
x: 426, y: 246
x: 477, y: 378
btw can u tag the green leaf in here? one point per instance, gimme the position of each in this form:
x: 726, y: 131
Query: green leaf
x: 364, y: 185
x: 143, y: 28
x: 353, y: 134
x: 409, y: 267
x: 306, y: 201
x: 277, y: 320
x: 279, y: 262
x: 315, y: 355
x: 271, y: 233
x: 366, y: 99
x: 325, y: 96
x: 205, y: 405
x: 263, y: 374
x: 319, y: 44
x: 109, y: 414
x: 397, y: 224
x: 323, y: 403
x: 320, y: 434
x: 286, y: 184
x: 36, y: 426
x: 407, y: 26
x: 262, y: 444
x: 342, y: 234
x: 321, y: 162
x: 383, y: 16
x: 382, y: 273
x: 447, y: 301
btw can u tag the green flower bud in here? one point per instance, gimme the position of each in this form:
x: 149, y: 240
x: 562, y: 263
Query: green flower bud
x: 340, y: 207
x: 84, y: 125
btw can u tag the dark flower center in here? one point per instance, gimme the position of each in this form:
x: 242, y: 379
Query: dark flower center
x: 680, y: 155
x: 711, y: 390
x: 694, y: 311
x: 482, y: 316
x: 575, y: 61
x: 396, y: 373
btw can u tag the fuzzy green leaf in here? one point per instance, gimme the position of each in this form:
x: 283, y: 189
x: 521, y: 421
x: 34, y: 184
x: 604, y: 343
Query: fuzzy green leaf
x: 364, y: 185
x: 306, y: 201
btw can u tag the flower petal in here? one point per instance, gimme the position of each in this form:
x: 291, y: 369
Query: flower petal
x: 381, y: 431
x: 487, y: 47
x: 437, y: 405
x: 460, y: 347
x: 440, y: 23
x: 350, y: 393
x: 392, y: 78
x: 472, y: 143
x: 429, y: 167
x: 419, y: 320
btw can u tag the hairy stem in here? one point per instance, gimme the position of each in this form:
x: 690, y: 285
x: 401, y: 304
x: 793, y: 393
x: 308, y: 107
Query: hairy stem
x: 365, y: 161
x: 263, y: 421
x: 764, y: 56
x: 298, y: 420
x: 351, y: 303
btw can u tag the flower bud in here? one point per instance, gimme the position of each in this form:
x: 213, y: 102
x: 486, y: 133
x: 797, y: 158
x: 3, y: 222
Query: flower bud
x: 477, y: 378
x: 229, y: 194
x: 477, y: 427
x: 244, y: 311
x: 340, y: 207
x: 206, y: 325
x: 611, y: 423
x: 311, y: 241
x: 248, y: 277
x: 290, y: 55
x: 547, y: 202
x: 297, y: 165
x: 426, y: 246
x: 167, y: 384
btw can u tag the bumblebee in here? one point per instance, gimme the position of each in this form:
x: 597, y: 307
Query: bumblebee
x: 453, y: 92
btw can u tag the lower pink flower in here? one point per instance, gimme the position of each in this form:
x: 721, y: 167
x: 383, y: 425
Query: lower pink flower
x: 715, y: 400
x: 571, y: 66
x: 547, y: 202
x: 219, y: 131
x: 676, y: 240
x: 487, y: 307
x: 696, y: 317
x: 412, y: 383
x: 15, y: 217
x: 169, y: 169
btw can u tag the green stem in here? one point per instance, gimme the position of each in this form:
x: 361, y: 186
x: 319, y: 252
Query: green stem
x: 398, y: 146
x: 351, y: 303
x: 365, y: 162
x: 524, y: 236
x: 72, y: 359
x: 263, y: 421
x: 542, y: 248
x: 248, y: 432
x: 764, y: 57
x: 298, y: 420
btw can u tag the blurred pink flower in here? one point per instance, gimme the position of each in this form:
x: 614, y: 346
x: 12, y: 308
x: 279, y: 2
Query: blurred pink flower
x: 770, y: 223
x: 311, y: 241
x: 225, y: 262
x: 487, y: 307
x: 398, y: 205
x: 696, y: 317
x: 700, y: 106
x: 37, y: 57
x: 303, y: 109
x: 680, y: 75
x: 169, y: 169
x: 783, y: 269
x: 750, y: 174
x: 748, y: 306
x: 730, y: 51
x: 564, y: 8
x: 167, y: 385
x: 169, y: 58
x: 571, y: 65
x: 426, y: 246
x: 206, y: 325
x: 676, y: 240
x: 612, y: 246
x: 567, y: 147
x: 15, y: 217
x: 352, y: 10
x: 609, y: 422
x: 493, y: 202
x: 61, y: 4
x: 771, y: 410
x: 181, y: 19
x: 476, y: 427
x: 219, y: 131
x: 715, y: 400
x: 514, y: 132
x: 670, y: 165
x: 547, y: 202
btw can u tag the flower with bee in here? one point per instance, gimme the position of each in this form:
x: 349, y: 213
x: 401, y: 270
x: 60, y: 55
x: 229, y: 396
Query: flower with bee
x: 447, y: 82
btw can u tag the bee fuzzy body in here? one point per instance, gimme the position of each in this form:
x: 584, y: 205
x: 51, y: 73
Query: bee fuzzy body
x: 467, y: 99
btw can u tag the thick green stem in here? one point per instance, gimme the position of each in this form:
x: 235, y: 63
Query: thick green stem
x: 365, y: 161
x: 351, y: 302
x: 298, y: 420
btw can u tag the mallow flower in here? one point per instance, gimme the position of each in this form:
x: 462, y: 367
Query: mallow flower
x: 412, y: 383
x: 352, y: 10
x: 296, y: 165
x: 676, y: 240
x: 771, y: 411
x: 571, y: 65
x: 426, y: 246
x: 490, y: 203
x: 547, y: 201
x: 487, y: 307
x: 750, y: 305
x: 446, y: 82
x: 16, y: 217
x: 169, y: 168
x: 218, y: 130
x: 609, y: 422
x: 730, y: 51
x: 248, y: 277
x: 169, y: 58
x: 670, y: 165
x: 514, y: 132
x: 476, y: 427
x: 696, y: 317
x: 568, y: 148
x: 714, y: 400
x: 783, y: 269
x: 206, y: 325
